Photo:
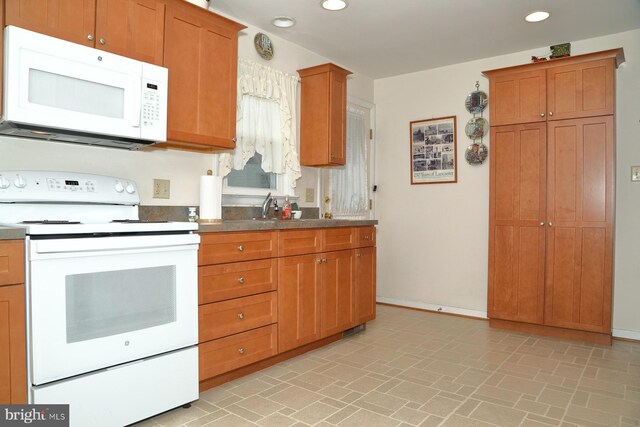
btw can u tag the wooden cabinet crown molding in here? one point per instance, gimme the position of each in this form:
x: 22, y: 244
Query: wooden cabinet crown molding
x: 617, y: 54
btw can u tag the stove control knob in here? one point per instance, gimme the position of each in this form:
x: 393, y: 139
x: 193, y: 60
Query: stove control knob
x: 4, y: 182
x: 130, y: 189
x: 118, y: 187
x: 19, y: 182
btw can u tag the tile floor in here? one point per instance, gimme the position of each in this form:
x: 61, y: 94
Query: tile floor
x: 423, y: 369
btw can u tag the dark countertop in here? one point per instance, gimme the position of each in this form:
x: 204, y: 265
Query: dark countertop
x: 11, y: 233
x: 261, y: 225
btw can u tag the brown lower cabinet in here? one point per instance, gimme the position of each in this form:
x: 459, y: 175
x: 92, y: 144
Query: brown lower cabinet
x: 301, y: 295
x: 13, y: 358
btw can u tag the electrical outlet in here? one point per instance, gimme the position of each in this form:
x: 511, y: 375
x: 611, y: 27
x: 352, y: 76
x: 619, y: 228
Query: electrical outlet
x: 309, y: 195
x: 161, y: 188
x: 635, y: 173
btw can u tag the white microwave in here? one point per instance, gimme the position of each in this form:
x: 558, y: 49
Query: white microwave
x: 62, y: 91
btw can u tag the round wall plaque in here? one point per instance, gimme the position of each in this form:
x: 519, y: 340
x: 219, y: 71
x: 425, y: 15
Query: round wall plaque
x: 263, y: 45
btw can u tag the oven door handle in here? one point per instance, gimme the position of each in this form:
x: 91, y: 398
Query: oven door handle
x: 112, y: 243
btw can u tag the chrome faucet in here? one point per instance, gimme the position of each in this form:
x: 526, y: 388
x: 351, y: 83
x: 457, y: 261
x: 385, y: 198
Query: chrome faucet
x: 266, y: 205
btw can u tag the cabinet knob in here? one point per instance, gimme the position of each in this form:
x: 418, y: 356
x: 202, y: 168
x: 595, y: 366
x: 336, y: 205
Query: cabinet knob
x: 241, y: 350
x: 541, y: 114
x: 234, y: 139
x: 241, y: 248
x: 90, y: 37
x: 541, y: 223
x: 358, y: 255
x: 319, y: 261
x: 102, y: 41
x: 241, y: 280
x: 551, y: 113
x: 550, y: 224
x: 241, y: 315
x: 367, y: 237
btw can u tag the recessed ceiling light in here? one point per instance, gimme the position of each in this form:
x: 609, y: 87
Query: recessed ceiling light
x: 537, y: 16
x: 333, y: 4
x: 283, y: 21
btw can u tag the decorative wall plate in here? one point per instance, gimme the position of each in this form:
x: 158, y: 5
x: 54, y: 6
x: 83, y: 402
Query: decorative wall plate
x: 476, y: 102
x: 263, y: 45
x: 476, y: 128
x: 476, y: 154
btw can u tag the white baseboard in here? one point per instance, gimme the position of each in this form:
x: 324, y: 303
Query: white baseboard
x: 433, y: 307
x: 626, y: 334
x: 617, y: 333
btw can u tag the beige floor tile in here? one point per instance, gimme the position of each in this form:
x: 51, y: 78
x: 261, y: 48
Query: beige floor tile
x: 386, y: 401
x: 467, y: 407
x: 243, y: 412
x: 583, y: 416
x: 410, y: 416
x: 345, y: 373
x: 260, y: 405
x: 521, y: 385
x: 441, y: 406
x: 532, y: 407
x: 555, y: 397
x: 460, y: 421
x: 342, y: 414
x: 316, y: 379
x: 432, y: 421
x: 603, y: 387
x: 314, y: 413
x: 545, y: 420
x: 230, y: 420
x: 365, y: 384
x: 621, y: 407
x: 472, y: 377
x: 499, y: 415
x: 295, y: 397
x: 413, y: 392
x: 276, y: 420
x: 368, y: 419
x: 202, y: 421
x: 179, y: 416
x: 545, y: 364
x: 501, y: 394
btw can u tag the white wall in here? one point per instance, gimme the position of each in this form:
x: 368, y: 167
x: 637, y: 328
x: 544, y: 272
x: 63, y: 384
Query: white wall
x: 433, y: 239
x: 182, y: 168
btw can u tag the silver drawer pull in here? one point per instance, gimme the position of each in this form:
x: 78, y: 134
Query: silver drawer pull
x: 241, y: 315
x: 241, y: 280
x: 241, y: 248
x: 241, y: 350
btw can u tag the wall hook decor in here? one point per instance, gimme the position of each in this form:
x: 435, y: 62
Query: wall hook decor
x: 476, y: 127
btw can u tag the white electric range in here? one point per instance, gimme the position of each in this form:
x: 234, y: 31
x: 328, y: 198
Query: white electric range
x: 111, y: 300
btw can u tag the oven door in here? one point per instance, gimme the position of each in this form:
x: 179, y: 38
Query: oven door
x: 99, y: 302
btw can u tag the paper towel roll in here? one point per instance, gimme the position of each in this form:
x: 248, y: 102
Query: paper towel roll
x: 210, y: 198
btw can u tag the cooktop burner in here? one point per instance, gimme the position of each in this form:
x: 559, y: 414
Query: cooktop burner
x: 138, y: 221
x: 49, y: 221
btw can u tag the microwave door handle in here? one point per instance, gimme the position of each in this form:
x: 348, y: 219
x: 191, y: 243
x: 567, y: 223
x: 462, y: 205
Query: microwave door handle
x: 138, y: 110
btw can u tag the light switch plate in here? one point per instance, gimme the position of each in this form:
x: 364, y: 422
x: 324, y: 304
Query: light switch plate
x: 635, y: 173
x: 309, y: 195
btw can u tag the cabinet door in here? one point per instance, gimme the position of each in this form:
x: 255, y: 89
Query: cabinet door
x: 201, y: 52
x: 338, y: 292
x: 516, y: 223
x: 71, y: 20
x: 365, y: 278
x: 581, y: 90
x: 338, y: 119
x: 298, y: 301
x: 518, y: 98
x: 132, y: 28
x: 13, y: 358
x: 580, y: 224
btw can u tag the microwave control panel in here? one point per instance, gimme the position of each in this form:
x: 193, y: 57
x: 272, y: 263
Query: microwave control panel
x: 153, y: 113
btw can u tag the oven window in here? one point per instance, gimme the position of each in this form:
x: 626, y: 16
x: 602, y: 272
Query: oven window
x: 114, y: 302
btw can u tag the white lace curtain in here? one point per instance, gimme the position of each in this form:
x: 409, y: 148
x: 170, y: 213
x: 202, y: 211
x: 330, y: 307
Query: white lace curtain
x: 349, y: 195
x: 265, y: 121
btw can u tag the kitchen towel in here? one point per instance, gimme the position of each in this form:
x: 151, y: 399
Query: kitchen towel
x: 210, y: 198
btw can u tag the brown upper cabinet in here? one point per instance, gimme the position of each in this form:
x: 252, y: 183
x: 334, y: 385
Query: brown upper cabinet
x: 567, y: 88
x: 323, y: 115
x: 132, y: 28
x: 201, y: 53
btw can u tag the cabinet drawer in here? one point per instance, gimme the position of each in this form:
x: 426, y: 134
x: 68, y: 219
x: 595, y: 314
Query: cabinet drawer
x: 337, y: 239
x: 300, y: 242
x: 224, y: 318
x: 11, y: 262
x: 365, y: 236
x: 226, y: 354
x: 226, y: 281
x: 217, y: 248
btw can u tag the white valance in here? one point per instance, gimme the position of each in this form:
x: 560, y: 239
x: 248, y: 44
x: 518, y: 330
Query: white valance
x: 265, y: 121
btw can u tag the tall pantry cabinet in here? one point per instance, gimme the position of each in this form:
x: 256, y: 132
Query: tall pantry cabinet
x: 551, y: 206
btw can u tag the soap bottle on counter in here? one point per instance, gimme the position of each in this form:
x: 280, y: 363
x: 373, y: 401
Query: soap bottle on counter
x: 286, y: 208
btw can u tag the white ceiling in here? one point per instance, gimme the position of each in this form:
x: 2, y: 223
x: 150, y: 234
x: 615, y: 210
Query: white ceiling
x: 381, y: 38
